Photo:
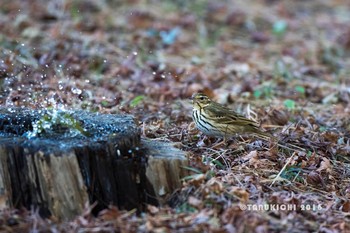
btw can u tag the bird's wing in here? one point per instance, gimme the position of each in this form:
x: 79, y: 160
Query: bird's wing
x: 228, y: 116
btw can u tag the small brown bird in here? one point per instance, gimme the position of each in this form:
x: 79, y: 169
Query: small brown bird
x: 214, y: 119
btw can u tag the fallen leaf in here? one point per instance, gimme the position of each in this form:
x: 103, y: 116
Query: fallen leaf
x: 240, y: 193
x: 325, y: 165
x: 346, y: 206
x: 152, y: 209
x: 194, y: 201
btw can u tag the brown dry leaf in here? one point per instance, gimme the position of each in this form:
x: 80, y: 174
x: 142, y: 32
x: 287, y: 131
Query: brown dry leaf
x: 149, y: 226
x: 278, y: 116
x: 158, y: 221
x: 314, y: 178
x: 241, y: 193
x: 346, y: 206
x: 325, y: 165
x: 215, y: 185
x: 193, y: 201
x: 203, y: 216
x: 139, y: 19
x: 110, y: 214
x: 347, y: 192
x: 194, y: 88
x: 251, y: 155
x: 152, y: 209
x: 117, y: 57
x: 303, y: 164
x: 331, y: 136
x: 231, y: 213
x: 197, y: 180
x: 253, y: 159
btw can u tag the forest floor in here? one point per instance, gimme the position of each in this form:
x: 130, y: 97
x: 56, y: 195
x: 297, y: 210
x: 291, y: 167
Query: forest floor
x: 282, y: 63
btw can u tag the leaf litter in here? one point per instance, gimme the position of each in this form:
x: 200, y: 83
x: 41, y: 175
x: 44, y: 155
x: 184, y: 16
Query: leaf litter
x: 284, y: 63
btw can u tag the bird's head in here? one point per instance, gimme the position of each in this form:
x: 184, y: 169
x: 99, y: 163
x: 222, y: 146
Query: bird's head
x: 201, y: 100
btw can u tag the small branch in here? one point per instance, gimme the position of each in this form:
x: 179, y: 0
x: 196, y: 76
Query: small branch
x: 284, y: 167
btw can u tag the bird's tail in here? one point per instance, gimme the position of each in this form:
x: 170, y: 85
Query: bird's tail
x: 269, y: 137
x: 265, y: 135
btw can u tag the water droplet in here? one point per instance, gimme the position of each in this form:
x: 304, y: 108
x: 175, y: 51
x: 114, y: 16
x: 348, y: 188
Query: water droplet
x: 76, y: 90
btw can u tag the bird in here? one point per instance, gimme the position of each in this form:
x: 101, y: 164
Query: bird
x: 214, y: 119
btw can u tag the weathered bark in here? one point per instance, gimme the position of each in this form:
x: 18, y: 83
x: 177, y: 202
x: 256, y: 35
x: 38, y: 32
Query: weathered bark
x: 166, y: 168
x: 59, y: 171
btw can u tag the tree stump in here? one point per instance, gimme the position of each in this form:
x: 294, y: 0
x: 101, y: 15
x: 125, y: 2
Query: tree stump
x: 59, y: 161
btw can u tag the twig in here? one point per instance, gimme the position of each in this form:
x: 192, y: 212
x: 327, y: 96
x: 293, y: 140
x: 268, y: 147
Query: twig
x: 284, y: 167
x: 296, y: 148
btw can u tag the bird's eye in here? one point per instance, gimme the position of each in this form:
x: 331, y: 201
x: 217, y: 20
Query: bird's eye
x: 201, y: 98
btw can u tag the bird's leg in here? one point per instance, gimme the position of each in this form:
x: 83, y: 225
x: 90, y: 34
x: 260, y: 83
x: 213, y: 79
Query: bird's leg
x: 225, y: 136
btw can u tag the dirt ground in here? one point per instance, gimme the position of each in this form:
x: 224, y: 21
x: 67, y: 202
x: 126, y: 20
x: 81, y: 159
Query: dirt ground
x: 282, y: 63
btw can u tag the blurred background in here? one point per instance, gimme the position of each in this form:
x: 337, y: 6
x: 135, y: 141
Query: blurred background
x: 286, y: 63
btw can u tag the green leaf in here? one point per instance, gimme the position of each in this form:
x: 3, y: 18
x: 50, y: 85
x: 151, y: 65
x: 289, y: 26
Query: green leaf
x: 193, y: 169
x: 290, y: 104
x: 309, y: 153
x: 300, y: 89
x: 191, y: 177
x: 136, y: 101
x: 74, y: 11
x: 218, y: 163
x: 70, y: 122
x: 279, y: 27
x: 268, y: 91
x: 257, y: 94
x: 104, y: 103
x: 185, y: 208
x: 323, y: 128
x: 214, y: 161
x: 56, y: 121
x: 292, y: 173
